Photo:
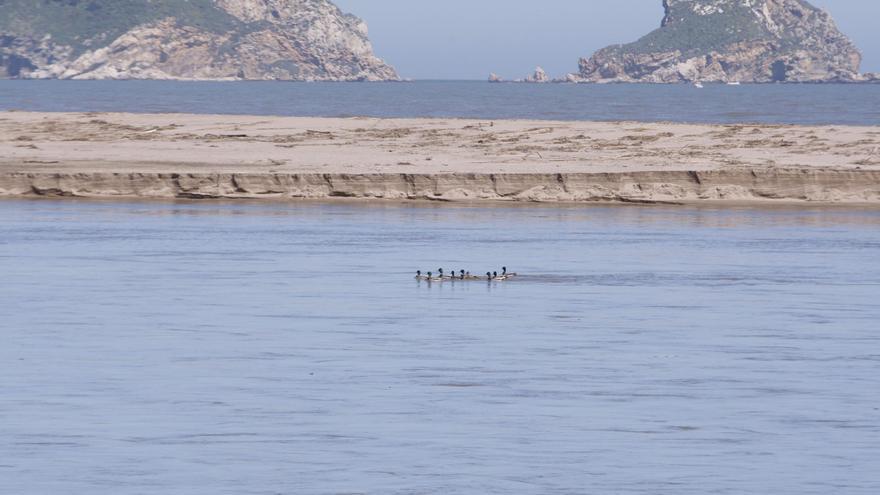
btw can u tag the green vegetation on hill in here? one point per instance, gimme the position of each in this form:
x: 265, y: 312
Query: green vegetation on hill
x: 79, y: 22
x: 758, y: 41
x: 700, y: 34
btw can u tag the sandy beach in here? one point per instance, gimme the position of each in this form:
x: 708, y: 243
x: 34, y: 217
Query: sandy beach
x: 230, y: 156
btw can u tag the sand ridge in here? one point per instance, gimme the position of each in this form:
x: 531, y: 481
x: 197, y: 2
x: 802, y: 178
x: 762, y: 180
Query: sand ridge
x: 223, y: 149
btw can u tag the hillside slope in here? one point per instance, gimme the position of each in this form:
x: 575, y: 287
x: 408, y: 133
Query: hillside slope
x: 192, y: 39
x: 732, y: 40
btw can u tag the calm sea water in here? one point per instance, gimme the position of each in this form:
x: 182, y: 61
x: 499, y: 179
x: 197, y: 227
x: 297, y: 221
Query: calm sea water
x: 212, y: 348
x: 792, y: 104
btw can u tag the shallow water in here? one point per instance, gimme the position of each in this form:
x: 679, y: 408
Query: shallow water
x: 286, y: 348
x: 834, y: 104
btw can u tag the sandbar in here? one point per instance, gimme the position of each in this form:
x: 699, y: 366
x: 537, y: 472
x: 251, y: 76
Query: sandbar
x: 118, y: 155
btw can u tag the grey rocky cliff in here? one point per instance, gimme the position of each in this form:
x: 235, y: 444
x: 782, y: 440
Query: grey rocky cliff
x: 732, y: 40
x: 309, y: 40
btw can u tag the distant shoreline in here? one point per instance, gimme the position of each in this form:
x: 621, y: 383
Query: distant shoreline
x: 179, y: 156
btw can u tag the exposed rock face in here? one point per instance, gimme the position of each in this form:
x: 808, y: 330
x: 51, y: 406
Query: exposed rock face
x: 539, y: 76
x: 732, y: 40
x: 308, y: 40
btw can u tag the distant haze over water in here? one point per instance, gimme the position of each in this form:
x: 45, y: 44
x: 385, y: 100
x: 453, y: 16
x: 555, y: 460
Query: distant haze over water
x: 787, y: 104
x: 466, y: 39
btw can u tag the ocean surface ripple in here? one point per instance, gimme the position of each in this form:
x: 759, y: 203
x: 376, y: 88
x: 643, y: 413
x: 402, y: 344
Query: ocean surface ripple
x: 816, y: 104
x: 248, y: 348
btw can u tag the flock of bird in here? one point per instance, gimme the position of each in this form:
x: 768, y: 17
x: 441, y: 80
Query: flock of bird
x: 463, y: 275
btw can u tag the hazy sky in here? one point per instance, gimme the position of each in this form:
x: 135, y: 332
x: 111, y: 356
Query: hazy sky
x: 467, y: 39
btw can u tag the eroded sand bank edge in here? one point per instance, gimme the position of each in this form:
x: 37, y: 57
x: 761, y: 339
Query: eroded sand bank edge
x: 831, y: 186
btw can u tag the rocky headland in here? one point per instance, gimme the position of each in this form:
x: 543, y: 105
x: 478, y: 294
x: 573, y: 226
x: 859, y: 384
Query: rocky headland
x: 729, y: 41
x: 756, y: 41
x: 304, y: 40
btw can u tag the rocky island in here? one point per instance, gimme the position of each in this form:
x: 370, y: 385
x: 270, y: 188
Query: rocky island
x: 757, y: 41
x: 304, y: 40
x: 727, y: 41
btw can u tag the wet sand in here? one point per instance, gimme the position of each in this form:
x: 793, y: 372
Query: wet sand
x: 225, y: 156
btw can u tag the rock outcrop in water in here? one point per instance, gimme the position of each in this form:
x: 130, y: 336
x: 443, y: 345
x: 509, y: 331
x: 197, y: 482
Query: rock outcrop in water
x: 539, y: 76
x: 758, y: 41
x: 310, y: 40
